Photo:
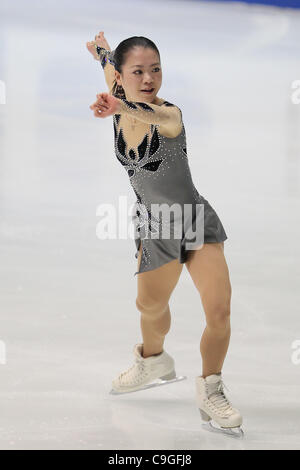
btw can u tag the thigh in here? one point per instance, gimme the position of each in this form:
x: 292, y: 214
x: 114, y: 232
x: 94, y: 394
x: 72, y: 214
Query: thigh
x: 157, y: 285
x: 208, y: 268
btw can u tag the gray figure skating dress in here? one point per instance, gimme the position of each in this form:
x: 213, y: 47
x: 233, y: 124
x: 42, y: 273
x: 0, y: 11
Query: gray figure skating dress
x: 159, y: 173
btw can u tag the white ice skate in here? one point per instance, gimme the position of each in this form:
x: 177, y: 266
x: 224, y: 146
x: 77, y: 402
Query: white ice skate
x: 214, y: 405
x: 148, y: 372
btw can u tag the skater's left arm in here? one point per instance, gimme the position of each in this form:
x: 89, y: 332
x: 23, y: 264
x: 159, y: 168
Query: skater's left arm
x: 168, y: 116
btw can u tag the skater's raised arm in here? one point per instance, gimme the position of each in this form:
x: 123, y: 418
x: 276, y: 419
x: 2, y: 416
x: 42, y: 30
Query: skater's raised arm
x: 102, y: 52
x: 106, y: 60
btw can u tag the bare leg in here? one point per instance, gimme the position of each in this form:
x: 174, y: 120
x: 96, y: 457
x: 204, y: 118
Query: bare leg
x: 209, y: 271
x: 154, y: 291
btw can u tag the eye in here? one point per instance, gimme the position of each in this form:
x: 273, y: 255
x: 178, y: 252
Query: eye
x: 156, y: 68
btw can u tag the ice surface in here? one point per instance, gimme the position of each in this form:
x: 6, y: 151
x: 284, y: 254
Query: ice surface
x: 68, y: 316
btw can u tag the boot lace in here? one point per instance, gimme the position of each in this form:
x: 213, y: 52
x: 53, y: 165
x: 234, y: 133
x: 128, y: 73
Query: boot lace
x: 217, y: 397
x: 135, y: 373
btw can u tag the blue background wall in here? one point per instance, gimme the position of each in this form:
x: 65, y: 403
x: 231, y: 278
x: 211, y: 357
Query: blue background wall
x: 280, y: 3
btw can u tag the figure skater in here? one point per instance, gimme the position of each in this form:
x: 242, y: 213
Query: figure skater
x: 150, y: 143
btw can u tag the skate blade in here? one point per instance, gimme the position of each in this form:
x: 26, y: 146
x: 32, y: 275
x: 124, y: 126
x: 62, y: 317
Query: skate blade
x: 238, y: 434
x: 151, y: 385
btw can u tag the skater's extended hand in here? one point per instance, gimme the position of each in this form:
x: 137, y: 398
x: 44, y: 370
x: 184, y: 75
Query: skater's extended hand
x: 99, y: 41
x: 106, y: 105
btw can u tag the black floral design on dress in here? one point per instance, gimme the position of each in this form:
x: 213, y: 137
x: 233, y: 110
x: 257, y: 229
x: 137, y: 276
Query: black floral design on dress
x: 146, y: 150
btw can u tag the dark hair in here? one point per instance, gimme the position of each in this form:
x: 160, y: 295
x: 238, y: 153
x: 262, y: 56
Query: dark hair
x: 119, y: 58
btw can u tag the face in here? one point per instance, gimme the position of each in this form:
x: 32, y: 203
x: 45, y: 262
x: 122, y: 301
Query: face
x: 141, y: 71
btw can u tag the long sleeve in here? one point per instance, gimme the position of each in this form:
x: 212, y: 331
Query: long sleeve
x: 167, y: 115
x: 106, y: 61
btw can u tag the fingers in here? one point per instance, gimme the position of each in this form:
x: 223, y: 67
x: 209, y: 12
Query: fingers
x: 97, y: 111
x: 101, y: 33
x: 102, y: 99
x: 99, y: 36
x: 100, y: 113
x: 90, y: 46
x: 102, y: 96
x: 100, y: 106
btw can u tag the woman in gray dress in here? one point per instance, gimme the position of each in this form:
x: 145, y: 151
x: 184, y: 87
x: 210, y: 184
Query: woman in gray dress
x: 150, y: 143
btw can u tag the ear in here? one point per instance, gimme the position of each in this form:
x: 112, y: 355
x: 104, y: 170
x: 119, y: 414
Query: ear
x: 117, y: 77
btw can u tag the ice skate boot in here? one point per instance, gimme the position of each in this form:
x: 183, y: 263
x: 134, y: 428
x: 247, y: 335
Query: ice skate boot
x: 148, y: 372
x: 214, y: 405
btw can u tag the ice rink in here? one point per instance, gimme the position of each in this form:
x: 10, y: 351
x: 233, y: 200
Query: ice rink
x: 69, y: 321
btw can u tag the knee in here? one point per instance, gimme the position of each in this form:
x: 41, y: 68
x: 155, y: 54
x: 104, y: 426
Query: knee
x: 219, y: 318
x: 150, y: 305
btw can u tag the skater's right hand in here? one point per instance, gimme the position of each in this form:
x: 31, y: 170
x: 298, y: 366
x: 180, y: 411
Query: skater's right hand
x: 99, y: 41
x: 106, y: 105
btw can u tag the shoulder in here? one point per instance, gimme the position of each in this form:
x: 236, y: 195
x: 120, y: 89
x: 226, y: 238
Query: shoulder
x: 165, y: 103
x: 175, y: 125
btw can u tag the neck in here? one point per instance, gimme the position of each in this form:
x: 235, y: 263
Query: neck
x: 156, y: 100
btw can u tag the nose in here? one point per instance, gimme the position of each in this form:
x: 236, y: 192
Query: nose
x: 148, y: 78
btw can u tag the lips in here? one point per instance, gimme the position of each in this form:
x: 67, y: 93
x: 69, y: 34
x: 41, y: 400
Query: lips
x: 148, y: 89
